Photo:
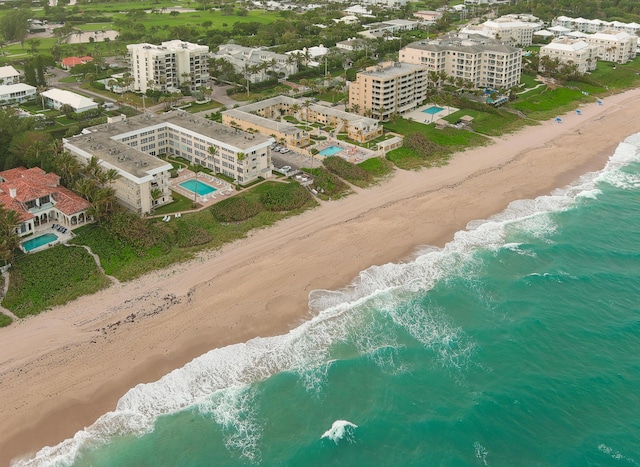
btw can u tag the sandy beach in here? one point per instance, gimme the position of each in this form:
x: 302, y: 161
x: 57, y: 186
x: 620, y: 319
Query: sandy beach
x: 63, y: 369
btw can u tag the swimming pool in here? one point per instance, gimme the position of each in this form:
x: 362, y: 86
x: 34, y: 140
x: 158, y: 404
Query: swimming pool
x: 434, y: 109
x: 330, y: 151
x: 39, y: 241
x: 198, y: 187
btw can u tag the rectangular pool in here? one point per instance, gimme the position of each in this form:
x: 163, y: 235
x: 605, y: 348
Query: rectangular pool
x: 434, y: 109
x: 39, y: 241
x: 198, y: 187
x: 330, y: 151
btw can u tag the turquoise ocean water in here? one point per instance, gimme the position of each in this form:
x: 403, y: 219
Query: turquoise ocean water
x: 516, y: 344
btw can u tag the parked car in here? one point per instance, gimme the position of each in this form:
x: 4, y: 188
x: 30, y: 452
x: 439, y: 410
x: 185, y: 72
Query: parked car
x: 285, y: 169
x: 284, y: 150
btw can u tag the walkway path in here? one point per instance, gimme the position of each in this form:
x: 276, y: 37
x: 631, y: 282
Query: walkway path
x: 96, y: 258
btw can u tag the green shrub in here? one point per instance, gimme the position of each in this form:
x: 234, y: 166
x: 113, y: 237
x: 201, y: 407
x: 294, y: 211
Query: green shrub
x: 189, y: 235
x: 314, y: 151
x: 348, y: 171
x: 327, y: 184
x: 51, y: 277
x: 235, y: 209
x: 285, y: 197
x: 419, y: 142
x: 136, y: 232
x: 98, y: 85
x: 5, y: 320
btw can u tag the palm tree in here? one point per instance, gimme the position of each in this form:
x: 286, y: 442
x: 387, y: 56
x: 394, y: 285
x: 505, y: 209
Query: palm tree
x: 9, y: 240
x: 381, y: 111
x: 355, y: 108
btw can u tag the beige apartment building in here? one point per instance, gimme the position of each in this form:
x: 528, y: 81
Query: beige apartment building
x: 477, y: 59
x: 267, y: 117
x: 131, y: 146
x: 168, y: 66
x: 388, y: 88
x: 614, y: 46
x: 576, y: 51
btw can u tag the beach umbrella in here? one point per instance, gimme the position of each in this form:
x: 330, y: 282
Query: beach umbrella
x: 558, y: 119
x: 579, y: 112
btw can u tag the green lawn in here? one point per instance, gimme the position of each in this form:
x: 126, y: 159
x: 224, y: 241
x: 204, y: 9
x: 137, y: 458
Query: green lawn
x: 488, y: 123
x: 550, y: 103
x: 193, y: 107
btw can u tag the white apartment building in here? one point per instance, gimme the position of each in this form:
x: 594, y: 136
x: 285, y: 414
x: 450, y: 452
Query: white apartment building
x: 507, y: 29
x: 14, y: 93
x: 482, y: 61
x: 255, y: 63
x: 130, y: 146
x: 168, y: 66
x: 388, y: 88
x: 576, y: 51
x: 613, y: 46
x: 9, y: 75
x: 594, y: 25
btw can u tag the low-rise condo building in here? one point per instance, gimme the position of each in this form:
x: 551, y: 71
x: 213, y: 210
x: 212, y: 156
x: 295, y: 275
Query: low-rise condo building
x: 169, y: 66
x: 571, y: 51
x: 131, y: 146
x: 267, y: 117
x: 594, y: 25
x: 476, y: 59
x: 39, y: 199
x: 507, y: 29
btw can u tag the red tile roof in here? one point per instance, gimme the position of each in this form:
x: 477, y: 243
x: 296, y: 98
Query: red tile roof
x: 34, y: 183
x: 73, y: 61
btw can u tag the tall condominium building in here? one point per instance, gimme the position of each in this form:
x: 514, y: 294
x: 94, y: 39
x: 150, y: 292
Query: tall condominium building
x: 131, y: 146
x: 477, y: 59
x: 388, y: 88
x: 168, y: 66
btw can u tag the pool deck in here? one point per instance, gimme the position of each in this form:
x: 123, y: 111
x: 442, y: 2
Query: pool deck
x: 223, y: 188
x: 418, y: 115
x: 350, y: 152
x: 45, y: 229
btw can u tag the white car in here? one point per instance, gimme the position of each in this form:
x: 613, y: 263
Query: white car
x: 284, y: 150
x: 285, y: 169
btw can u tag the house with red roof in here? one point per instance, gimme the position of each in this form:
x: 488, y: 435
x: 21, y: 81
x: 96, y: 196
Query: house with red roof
x: 40, y: 200
x: 69, y: 62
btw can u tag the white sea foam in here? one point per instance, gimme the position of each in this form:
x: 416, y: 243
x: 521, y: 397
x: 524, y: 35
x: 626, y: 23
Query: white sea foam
x: 309, y: 346
x: 616, y: 454
x: 340, y: 429
x: 481, y: 453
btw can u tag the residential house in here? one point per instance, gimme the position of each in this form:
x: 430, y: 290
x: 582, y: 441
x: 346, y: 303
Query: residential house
x: 56, y: 98
x: 16, y: 93
x: 257, y: 64
x: 40, y: 200
x: 9, y: 75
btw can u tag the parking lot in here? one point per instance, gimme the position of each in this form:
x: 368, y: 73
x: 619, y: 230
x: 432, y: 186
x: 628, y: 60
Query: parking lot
x: 294, y: 160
